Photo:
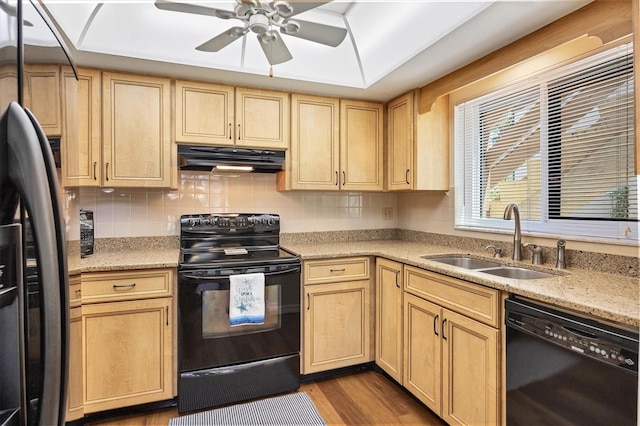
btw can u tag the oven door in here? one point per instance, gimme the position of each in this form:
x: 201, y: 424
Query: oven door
x: 206, y: 337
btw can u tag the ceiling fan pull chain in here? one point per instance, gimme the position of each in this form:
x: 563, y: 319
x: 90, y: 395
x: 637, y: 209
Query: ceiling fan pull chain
x: 271, y: 71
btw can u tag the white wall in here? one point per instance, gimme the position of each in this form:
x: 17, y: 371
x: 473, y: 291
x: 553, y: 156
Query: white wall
x: 151, y: 212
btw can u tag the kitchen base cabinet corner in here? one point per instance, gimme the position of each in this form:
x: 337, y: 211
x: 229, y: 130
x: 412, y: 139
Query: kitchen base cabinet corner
x: 389, y: 317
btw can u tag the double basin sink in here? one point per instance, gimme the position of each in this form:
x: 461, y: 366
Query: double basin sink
x: 491, y: 268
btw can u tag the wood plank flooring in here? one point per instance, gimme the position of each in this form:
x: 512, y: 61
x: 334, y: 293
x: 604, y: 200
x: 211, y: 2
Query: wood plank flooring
x: 362, y: 398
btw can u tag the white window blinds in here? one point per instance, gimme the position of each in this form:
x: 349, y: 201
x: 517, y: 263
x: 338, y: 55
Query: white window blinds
x: 560, y: 146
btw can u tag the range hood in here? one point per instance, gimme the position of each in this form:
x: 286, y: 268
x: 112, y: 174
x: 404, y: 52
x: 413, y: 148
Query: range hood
x: 229, y: 159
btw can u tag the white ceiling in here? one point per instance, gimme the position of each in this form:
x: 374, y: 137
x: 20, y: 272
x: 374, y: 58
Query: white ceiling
x: 391, y: 46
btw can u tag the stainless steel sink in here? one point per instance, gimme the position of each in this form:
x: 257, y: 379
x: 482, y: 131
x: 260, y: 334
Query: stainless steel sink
x: 488, y: 267
x: 516, y: 273
x: 464, y: 262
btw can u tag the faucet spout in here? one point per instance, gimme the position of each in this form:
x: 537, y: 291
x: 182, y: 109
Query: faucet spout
x: 517, y: 233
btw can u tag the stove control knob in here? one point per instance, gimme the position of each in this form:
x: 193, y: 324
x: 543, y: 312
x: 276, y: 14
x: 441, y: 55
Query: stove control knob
x: 193, y: 222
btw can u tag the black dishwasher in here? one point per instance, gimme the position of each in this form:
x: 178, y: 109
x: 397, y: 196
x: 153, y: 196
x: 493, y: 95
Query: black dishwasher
x: 564, y: 369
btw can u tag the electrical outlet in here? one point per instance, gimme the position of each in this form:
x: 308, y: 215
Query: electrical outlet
x: 387, y: 213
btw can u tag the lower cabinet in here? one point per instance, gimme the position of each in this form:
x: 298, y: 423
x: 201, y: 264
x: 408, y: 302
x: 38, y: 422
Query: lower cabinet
x: 451, y: 360
x: 337, y: 314
x: 127, y: 334
x: 75, y: 407
x: 389, y: 336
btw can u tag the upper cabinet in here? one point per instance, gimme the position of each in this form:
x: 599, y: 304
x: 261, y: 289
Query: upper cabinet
x: 418, y: 145
x: 335, y: 145
x: 221, y: 115
x: 361, y: 146
x: 42, y: 96
x: 136, y: 131
x: 314, y: 157
x: 81, y: 156
x: 262, y: 118
x: 204, y: 113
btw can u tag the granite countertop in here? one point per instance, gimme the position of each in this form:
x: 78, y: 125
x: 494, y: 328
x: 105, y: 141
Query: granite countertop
x: 607, y: 296
x: 130, y: 259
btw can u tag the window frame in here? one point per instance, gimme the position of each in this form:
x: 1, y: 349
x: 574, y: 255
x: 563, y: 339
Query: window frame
x: 615, y: 231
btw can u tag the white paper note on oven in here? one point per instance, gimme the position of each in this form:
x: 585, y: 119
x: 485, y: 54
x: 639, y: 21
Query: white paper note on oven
x: 246, y: 299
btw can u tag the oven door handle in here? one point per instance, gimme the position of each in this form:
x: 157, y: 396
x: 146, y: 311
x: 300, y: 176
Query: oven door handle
x: 266, y: 274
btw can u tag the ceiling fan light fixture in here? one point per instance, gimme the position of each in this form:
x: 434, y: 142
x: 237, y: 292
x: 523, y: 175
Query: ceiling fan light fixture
x: 291, y: 27
x: 282, y: 7
x: 267, y: 37
x: 259, y: 23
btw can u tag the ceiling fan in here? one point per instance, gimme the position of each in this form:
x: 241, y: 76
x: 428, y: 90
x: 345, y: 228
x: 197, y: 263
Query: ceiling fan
x: 261, y: 17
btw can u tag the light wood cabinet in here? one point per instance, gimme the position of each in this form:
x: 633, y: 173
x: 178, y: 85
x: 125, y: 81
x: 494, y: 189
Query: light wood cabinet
x: 451, y: 361
x: 389, y: 291
x: 42, y: 96
x: 127, y: 331
x: 8, y: 84
x: 337, y: 315
x: 335, y: 145
x: 136, y: 131
x: 81, y: 139
x: 361, y: 146
x: 204, y: 113
x: 213, y: 114
x: 75, y: 405
x: 314, y: 157
x: 262, y: 118
x: 417, y: 145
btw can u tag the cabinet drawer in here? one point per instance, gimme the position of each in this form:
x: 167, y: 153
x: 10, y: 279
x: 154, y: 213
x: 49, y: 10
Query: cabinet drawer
x: 336, y: 270
x: 74, y: 291
x: 474, y: 301
x: 126, y: 285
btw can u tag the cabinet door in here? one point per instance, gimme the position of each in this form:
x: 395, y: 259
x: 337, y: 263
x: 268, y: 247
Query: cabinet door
x: 389, y: 317
x: 361, y: 139
x: 400, y: 169
x: 423, y: 351
x: 262, y: 118
x: 470, y: 372
x: 42, y: 96
x: 136, y: 132
x: 128, y: 353
x: 74, y: 392
x: 204, y: 113
x: 336, y: 326
x: 315, y: 141
x: 81, y: 139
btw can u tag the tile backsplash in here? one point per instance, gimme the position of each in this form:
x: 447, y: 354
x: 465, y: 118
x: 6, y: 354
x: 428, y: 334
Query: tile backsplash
x: 155, y: 212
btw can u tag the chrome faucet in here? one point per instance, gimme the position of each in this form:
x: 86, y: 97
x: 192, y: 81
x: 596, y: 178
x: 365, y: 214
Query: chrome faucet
x: 517, y: 233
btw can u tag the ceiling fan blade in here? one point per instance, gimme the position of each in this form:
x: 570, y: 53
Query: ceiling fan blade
x: 274, y: 48
x: 320, y: 33
x: 193, y: 8
x: 299, y: 6
x: 13, y: 11
x: 222, y: 40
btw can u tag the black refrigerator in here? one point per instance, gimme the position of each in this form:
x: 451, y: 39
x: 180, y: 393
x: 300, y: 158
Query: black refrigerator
x: 34, y: 323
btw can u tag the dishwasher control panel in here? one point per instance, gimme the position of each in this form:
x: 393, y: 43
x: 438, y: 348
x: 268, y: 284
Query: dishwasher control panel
x: 581, y: 340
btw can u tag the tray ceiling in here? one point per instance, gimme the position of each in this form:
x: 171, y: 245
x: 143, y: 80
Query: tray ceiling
x: 391, y: 46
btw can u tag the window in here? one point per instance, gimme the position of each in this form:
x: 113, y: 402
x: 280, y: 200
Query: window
x: 560, y: 146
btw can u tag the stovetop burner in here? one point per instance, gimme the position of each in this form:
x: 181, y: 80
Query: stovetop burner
x: 240, y: 238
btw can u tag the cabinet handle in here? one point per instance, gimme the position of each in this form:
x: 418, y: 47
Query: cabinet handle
x: 407, y: 177
x: 167, y: 312
x: 308, y: 302
x: 229, y: 130
x: 95, y: 176
x: 444, y: 324
x: 107, y: 171
x: 435, y: 325
x: 397, y: 284
x: 124, y: 285
x: 344, y: 178
x: 336, y: 178
x: 78, y: 292
x: 238, y: 132
x: 337, y: 270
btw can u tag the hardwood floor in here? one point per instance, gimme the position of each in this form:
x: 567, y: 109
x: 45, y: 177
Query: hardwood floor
x: 362, y: 398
